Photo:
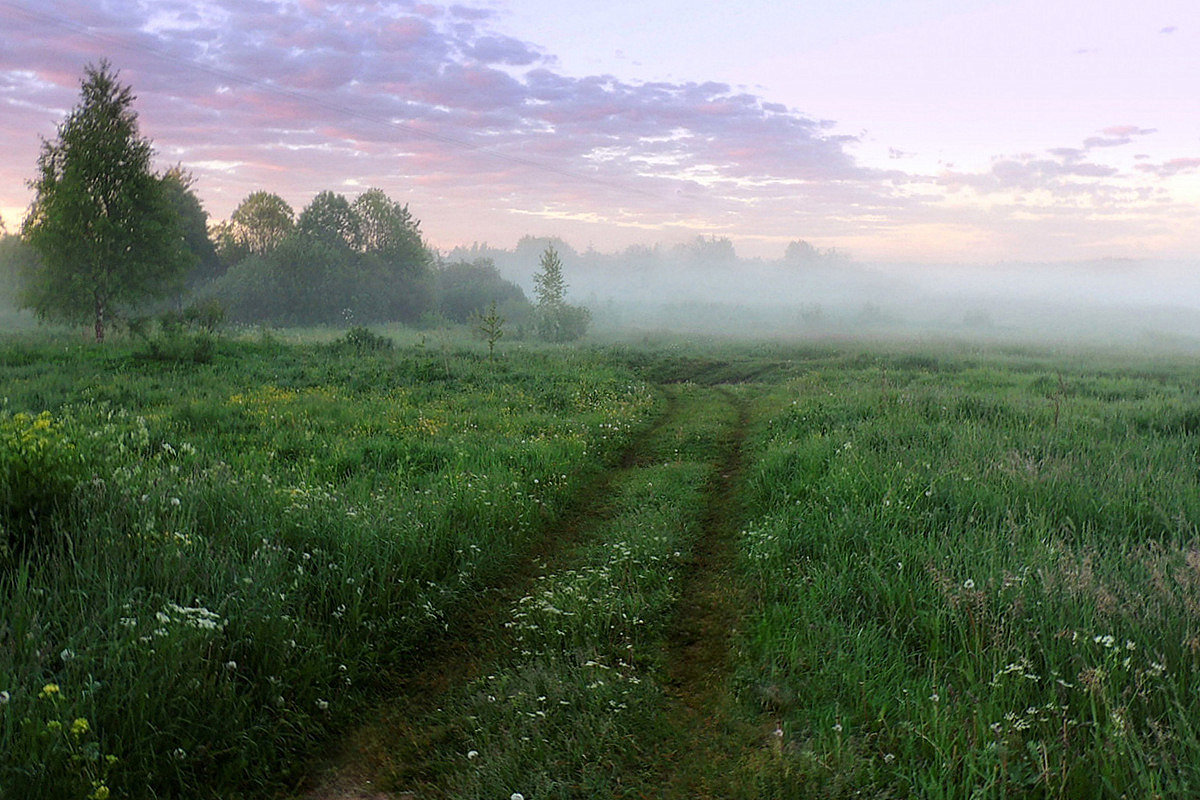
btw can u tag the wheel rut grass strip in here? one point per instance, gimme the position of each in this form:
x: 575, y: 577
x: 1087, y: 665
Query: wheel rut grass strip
x: 389, y: 732
x: 572, y: 701
x: 708, y: 738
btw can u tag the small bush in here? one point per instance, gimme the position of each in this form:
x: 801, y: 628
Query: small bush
x: 364, y: 340
x: 180, y: 336
x: 563, y: 322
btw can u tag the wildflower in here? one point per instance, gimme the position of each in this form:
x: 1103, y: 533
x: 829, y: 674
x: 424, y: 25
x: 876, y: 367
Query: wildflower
x: 179, y: 753
x: 323, y: 704
x: 231, y: 665
x: 54, y: 725
x: 837, y: 727
x: 80, y: 726
x: 49, y: 690
x: 968, y: 584
x: 175, y: 501
x: 101, y: 792
x: 472, y: 754
x: 517, y: 795
x: 935, y: 697
x: 4, y: 698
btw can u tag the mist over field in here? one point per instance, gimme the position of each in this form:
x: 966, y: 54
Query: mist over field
x: 706, y: 288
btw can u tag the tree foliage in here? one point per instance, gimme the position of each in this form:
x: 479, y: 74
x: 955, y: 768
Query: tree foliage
x: 549, y: 286
x: 557, y: 321
x: 17, y: 263
x: 464, y: 289
x: 330, y: 219
x: 362, y: 262
x: 101, y: 223
x: 178, y: 185
x: 387, y: 229
x: 490, y: 328
x: 258, y: 225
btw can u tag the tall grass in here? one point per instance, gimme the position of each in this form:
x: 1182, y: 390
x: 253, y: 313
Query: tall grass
x: 976, y: 580
x: 229, y: 551
x: 574, y: 707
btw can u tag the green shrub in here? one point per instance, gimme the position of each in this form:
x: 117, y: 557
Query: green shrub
x: 39, y: 468
x: 364, y: 340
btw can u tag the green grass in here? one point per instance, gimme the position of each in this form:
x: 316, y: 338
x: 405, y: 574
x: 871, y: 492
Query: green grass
x: 970, y: 571
x: 976, y: 579
x: 236, y: 549
x: 574, y: 706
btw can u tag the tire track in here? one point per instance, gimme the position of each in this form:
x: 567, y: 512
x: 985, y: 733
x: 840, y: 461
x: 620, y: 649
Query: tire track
x: 710, y: 741
x: 391, y: 740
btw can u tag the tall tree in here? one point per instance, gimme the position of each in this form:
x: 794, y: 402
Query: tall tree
x: 548, y: 285
x: 557, y: 321
x: 178, y: 184
x: 386, y: 228
x: 100, y: 220
x: 261, y: 222
x: 330, y: 218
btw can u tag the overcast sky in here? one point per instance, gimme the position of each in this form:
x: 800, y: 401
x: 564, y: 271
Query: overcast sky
x: 964, y: 130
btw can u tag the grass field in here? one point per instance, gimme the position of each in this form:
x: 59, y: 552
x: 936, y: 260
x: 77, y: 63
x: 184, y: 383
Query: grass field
x: 761, y: 570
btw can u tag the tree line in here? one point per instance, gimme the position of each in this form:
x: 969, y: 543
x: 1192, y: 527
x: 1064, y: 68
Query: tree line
x: 107, y: 237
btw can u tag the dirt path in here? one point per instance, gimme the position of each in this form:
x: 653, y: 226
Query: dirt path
x: 709, y: 741
x: 700, y: 760
x: 391, y: 741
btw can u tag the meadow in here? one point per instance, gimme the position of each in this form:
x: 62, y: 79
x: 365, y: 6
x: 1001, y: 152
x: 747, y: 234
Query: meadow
x: 907, y: 570
x: 976, y: 577
x: 206, y: 564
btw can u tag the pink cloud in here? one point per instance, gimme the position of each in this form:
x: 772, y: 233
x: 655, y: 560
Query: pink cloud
x: 430, y: 101
x: 1175, y: 166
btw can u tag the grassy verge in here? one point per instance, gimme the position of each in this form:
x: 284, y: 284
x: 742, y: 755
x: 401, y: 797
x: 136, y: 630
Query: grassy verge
x: 204, y: 564
x: 975, y: 579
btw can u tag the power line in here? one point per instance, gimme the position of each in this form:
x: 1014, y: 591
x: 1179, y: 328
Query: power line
x: 302, y: 97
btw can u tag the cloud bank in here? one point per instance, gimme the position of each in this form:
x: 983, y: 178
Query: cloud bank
x: 486, y: 137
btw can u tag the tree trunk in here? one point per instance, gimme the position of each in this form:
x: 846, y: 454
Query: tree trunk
x: 99, y: 321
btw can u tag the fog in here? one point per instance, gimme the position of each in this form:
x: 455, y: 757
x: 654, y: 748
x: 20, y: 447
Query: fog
x: 705, y: 288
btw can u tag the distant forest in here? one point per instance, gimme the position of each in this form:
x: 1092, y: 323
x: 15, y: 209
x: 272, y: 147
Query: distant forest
x: 343, y: 261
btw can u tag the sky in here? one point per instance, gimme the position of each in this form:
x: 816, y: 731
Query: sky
x: 964, y: 131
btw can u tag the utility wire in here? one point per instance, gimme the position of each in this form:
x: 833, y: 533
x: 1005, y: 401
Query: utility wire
x: 302, y: 97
